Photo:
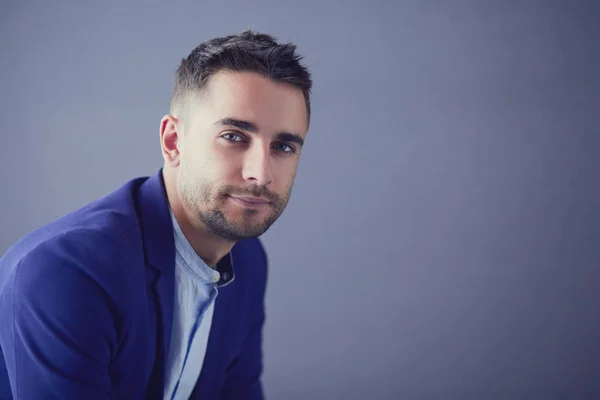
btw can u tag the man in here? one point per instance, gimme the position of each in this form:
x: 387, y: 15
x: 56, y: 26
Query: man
x: 157, y: 290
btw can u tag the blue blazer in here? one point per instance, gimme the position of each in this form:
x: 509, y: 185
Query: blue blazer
x: 86, y: 306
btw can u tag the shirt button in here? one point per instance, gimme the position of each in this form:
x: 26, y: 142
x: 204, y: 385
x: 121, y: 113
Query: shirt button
x: 215, y: 279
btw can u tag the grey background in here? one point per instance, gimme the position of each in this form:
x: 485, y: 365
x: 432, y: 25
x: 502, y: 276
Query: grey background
x: 443, y: 238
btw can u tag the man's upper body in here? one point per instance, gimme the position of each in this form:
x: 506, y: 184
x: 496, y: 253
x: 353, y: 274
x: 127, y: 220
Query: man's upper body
x: 87, y: 304
x: 157, y: 290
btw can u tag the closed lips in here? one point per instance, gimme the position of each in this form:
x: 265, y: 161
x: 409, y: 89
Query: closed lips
x: 251, y: 200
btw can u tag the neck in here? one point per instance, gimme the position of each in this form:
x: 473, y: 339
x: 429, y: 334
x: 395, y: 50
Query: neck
x: 209, y: 247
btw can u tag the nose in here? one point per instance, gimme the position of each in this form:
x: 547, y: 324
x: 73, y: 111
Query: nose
x: 257, y: 166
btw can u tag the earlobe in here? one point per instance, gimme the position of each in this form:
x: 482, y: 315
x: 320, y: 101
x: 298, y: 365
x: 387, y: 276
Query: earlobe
x: 169, y: 135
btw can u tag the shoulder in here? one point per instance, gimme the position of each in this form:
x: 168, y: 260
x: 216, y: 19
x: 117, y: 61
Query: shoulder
x: 87, y: 247
x: 79, y: 246
x: 94, y: 231
x: 75, y: 257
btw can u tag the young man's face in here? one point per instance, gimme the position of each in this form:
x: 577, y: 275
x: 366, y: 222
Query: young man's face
x: 240, y: 151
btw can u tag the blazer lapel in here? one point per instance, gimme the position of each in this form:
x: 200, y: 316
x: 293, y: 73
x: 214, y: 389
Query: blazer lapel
x: 220, y: 336
x: 159, y: 247
x: 207, y: 385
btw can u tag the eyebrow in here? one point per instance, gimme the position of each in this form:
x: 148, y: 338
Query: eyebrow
x: 250, y: 127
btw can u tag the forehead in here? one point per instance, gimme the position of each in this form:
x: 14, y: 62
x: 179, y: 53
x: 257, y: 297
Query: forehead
x: 272, y: 106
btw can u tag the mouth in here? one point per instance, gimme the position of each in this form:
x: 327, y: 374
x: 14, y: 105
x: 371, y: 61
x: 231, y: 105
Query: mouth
x: 250, y: 201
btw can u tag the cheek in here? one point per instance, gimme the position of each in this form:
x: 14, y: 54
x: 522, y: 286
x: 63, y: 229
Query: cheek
x: 223, y: 172
x: 225, y: 161
x: 284, y: 176
x: 212, y: 165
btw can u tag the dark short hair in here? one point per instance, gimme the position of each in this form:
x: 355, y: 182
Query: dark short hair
x: 247, y: 51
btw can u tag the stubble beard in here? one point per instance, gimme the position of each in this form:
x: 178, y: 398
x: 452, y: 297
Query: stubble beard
x: 205, y: 200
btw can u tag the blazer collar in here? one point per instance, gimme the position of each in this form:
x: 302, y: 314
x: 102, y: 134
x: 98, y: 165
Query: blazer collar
x: 155, y: 221
x: 159, y: 253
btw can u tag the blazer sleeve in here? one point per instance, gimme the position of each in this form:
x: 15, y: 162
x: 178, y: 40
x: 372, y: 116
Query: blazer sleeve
x: 59, y: 330
x: 244, y: 376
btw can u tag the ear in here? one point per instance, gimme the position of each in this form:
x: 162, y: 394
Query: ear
x: 170, y: 133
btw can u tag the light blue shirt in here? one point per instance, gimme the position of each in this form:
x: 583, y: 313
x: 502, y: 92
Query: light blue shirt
x: 196, y: 288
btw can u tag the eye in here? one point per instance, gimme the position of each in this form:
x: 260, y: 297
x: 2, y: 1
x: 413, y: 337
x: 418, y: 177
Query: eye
x: 284, y: 148
x: 233, y: 137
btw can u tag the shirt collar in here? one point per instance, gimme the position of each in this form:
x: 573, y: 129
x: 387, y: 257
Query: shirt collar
x: 226, y: 272
x: 221, y: 276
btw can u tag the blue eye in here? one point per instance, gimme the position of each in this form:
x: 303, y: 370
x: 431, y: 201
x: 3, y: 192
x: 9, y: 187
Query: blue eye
x: 232, y: 137
x: 284, y: 148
